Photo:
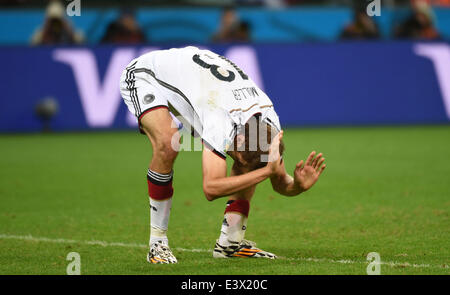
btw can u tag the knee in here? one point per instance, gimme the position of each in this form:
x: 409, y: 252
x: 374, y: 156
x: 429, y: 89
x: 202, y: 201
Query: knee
x: 165, y: 148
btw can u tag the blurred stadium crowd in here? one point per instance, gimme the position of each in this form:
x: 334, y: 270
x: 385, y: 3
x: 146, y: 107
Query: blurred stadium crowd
x: 57, y: 27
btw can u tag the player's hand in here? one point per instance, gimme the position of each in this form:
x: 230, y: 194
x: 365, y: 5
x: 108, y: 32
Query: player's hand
x: 274, y: 158
x: 305, y: 176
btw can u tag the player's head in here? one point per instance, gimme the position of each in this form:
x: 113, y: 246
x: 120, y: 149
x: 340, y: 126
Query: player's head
x: 251, y: 144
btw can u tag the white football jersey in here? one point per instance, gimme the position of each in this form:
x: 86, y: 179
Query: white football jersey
x: 210, y: 92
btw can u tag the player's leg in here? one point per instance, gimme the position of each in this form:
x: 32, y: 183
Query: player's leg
x: 231, y: 242
x: 162, y: 132
x: 147, y: 102
x: 236, y: 214
x: 159, y: 127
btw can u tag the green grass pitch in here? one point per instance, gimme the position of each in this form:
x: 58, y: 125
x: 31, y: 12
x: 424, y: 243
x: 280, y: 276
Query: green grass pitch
x: 385, y: 190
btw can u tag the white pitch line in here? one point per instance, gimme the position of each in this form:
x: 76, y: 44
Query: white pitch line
x: 134, y: 245
x: 93, y: 242
x: 388, y: 263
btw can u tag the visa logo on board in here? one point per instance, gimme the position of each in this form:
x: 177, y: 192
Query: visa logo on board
x: 100, y: 97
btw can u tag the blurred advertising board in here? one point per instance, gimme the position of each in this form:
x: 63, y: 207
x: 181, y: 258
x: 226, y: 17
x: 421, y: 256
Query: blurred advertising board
x: 349, y: 83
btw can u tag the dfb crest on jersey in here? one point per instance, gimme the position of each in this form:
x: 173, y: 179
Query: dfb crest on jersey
x: 149, y: 98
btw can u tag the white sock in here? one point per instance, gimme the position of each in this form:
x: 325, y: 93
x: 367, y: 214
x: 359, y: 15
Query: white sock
x: 233, y: 228
x: 159, y: 220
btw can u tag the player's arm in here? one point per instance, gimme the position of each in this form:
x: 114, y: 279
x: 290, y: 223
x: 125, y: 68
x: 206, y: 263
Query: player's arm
x: 216, y: 184
x: 284, y: 184
x: 305, y: 176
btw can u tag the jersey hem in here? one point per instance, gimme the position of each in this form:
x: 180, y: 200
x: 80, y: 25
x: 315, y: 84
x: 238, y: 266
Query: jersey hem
x: 145, y: 112
x: 211, y: 148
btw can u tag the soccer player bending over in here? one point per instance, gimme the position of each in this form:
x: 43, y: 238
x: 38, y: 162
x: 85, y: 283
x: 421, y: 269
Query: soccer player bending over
x: 233, y: 117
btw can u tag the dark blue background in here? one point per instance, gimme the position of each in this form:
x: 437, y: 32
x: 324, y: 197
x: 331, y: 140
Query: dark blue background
x: 310, y: 84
